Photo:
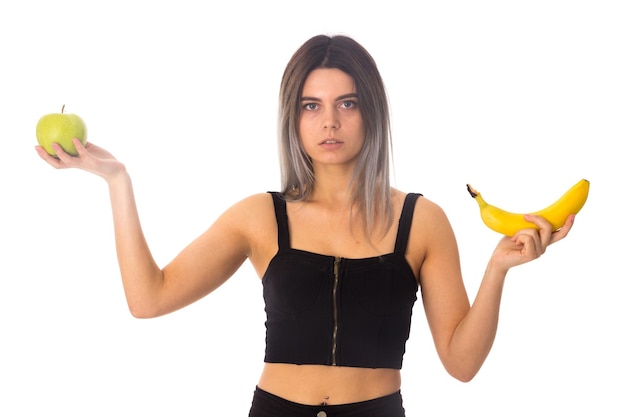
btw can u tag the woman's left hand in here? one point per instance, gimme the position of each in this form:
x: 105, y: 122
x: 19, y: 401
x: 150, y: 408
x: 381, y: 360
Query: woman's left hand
x: 528, y: 244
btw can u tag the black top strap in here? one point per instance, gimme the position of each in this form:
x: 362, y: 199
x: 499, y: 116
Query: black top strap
x: 280, y: 208
x: 404, y: 226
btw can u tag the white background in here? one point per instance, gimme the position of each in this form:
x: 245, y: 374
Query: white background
x: 520, y: 99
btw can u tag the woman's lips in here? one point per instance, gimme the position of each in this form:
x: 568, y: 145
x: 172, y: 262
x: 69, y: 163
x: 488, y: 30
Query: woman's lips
x: 330, y: 142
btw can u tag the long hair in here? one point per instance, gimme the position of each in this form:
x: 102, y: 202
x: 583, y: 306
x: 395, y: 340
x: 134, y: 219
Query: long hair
x: 370, y: 183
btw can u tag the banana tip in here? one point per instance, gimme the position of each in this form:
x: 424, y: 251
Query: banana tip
x: 472, y: 191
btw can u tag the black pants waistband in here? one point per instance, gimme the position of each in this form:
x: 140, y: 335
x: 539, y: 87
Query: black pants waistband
x: 265, y: 404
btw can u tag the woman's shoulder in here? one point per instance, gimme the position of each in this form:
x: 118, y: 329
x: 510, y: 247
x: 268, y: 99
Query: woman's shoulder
x: 423, y: 204
x: 251, y: 217
x: 427, y: 214
x: 252, y: 206
x: 257, y: 198
x: 255, y: 219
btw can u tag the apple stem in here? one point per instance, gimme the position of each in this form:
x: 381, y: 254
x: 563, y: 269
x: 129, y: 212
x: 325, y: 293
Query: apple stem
x: 62, y: 108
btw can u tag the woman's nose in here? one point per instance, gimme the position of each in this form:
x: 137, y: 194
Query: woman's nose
x: 331, y: 121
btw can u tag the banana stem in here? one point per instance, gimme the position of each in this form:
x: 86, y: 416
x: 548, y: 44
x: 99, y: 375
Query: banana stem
x: 472, y: 191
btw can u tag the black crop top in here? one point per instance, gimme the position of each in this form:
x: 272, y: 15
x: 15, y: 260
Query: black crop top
x: 327, y: 310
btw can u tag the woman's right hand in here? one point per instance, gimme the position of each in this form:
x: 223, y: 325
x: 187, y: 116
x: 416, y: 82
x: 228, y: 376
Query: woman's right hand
x: 90, y: 158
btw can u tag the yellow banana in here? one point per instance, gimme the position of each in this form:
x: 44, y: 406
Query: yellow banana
x: 508, y: 223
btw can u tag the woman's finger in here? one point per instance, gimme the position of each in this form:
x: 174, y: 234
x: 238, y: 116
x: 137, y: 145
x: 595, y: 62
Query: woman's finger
x: 545, y: 230
x: 530, y: 243
x: 564, y: 230
x: 43, y: 154
x: 80, y: 148
x: 70, y: 161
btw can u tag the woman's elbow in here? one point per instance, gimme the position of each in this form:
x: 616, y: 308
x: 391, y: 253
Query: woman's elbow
x: 464, y: 376
x: 463, y: 372
x: 143, y: 311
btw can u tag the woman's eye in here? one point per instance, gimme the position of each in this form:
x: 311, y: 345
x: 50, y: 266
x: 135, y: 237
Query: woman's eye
x: 348, y: 104
x: 310, y: 106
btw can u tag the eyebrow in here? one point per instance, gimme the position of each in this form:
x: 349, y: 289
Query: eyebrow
x: 342, y: 97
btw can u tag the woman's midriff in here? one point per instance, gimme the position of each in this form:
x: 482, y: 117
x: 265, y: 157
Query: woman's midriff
x: 316, y: 384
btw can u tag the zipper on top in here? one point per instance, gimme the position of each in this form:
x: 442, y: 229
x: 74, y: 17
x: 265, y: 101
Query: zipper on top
x: 336, y: 265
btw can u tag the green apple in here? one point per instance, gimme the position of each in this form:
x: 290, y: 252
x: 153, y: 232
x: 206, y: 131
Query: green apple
x: 61, y: 128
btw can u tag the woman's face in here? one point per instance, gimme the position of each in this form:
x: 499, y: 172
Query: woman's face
x: 331, y: 126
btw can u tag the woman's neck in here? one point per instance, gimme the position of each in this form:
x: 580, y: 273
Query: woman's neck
x: 332, y: 184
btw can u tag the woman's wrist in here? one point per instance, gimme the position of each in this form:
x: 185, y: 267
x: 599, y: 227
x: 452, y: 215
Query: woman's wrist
x: 118, y: 177
x: 495, y: 272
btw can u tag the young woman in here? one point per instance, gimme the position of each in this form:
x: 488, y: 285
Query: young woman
x: 341, y: 253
